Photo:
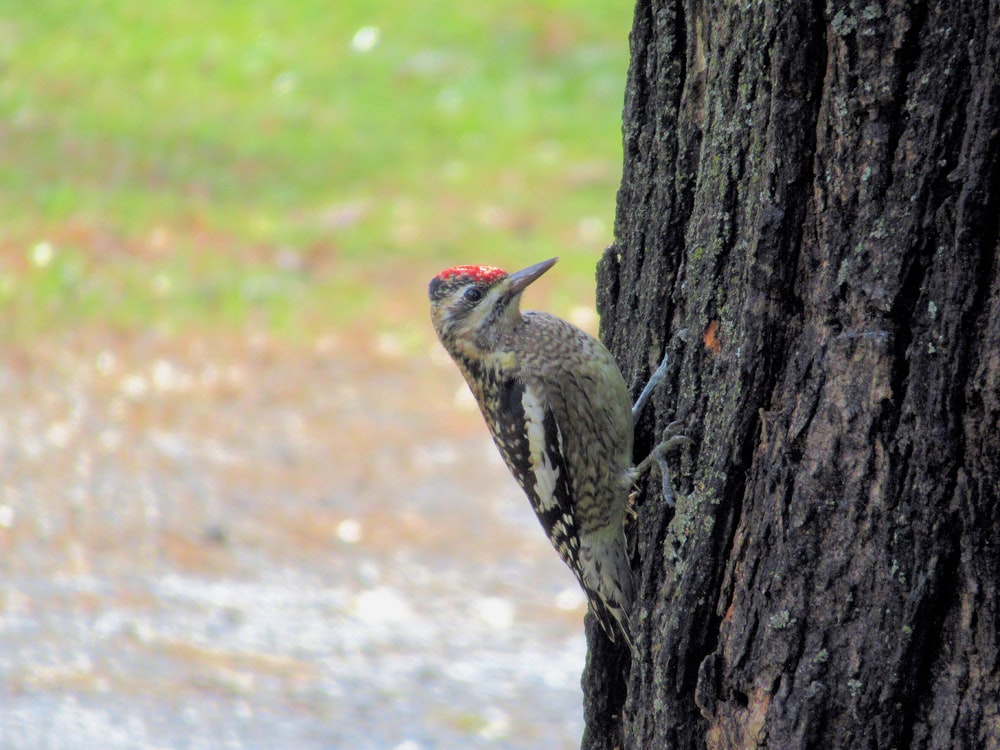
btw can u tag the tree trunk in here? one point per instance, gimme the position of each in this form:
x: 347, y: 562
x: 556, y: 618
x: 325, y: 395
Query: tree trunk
x: 808, y: 224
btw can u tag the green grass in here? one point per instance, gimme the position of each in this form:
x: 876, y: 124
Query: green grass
x: 224, y: 164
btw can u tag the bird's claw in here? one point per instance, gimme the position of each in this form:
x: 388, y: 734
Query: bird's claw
x: 671, y: 441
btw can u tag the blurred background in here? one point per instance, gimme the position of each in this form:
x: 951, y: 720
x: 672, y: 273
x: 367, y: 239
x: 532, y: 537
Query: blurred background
x: 245, y: 499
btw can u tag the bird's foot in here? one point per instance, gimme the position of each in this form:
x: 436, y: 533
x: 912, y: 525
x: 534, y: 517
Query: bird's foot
x: 654, y: 381
x: 671, y: 441
x: 647, y: 391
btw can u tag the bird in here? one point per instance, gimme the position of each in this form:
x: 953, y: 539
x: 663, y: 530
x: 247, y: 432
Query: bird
x: 561, y: 416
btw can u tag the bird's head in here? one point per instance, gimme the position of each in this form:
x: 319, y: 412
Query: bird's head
x: 472, y: 306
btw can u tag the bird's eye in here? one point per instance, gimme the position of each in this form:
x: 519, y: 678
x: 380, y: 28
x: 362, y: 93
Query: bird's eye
x: 473, y: 294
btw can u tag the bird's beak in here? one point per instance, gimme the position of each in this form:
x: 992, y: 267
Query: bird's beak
x: 519, y: 280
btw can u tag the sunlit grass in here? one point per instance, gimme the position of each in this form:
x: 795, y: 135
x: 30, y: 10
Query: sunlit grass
x: 297, y: 166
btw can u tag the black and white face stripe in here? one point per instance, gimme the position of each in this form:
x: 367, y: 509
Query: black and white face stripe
x: 464, y: 308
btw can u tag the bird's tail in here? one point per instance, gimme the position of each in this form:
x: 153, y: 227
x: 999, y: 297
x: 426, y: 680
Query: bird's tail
x: 607, y: 579
x: 614, y: 620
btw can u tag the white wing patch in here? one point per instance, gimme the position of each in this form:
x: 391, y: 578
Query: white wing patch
x: 545, y: 474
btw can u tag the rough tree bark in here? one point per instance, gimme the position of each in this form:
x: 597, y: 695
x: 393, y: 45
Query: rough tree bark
x: 811, y: 191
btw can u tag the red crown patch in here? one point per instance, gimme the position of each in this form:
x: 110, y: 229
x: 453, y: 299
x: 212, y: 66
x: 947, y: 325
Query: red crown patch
x: 487, y: 274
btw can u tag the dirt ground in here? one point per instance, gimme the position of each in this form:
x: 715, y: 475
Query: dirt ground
x: 216, y: 543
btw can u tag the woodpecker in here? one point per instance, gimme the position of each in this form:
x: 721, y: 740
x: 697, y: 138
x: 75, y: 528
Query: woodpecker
x: 560, y: 414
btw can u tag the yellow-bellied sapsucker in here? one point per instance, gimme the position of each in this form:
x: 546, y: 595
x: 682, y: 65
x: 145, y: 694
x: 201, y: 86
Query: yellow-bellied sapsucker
x: 560, y: 414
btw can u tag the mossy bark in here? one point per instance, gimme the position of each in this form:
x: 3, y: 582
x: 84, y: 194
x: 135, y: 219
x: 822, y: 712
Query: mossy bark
x: 808, y: 223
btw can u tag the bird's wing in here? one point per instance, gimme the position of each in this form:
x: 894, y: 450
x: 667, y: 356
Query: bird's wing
x: 530, y: 440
